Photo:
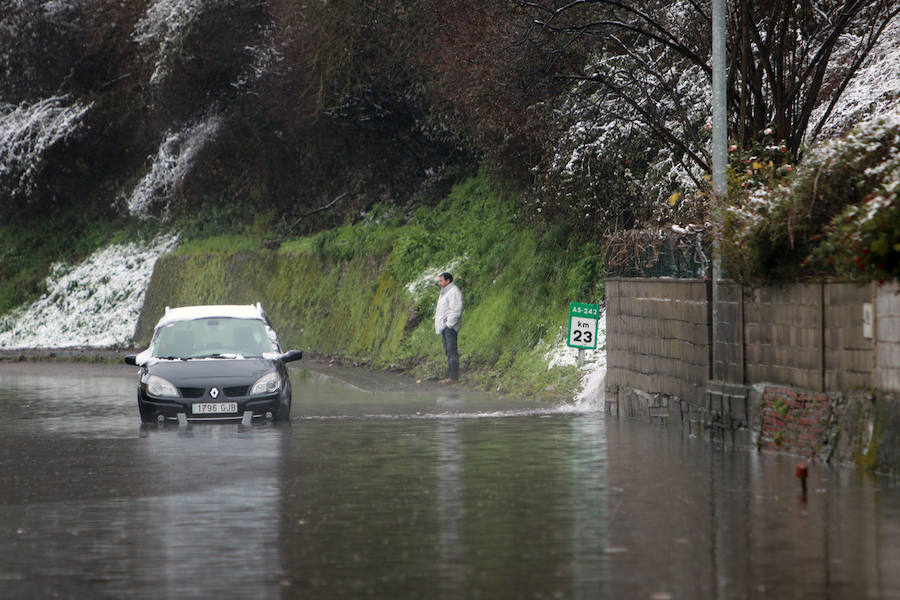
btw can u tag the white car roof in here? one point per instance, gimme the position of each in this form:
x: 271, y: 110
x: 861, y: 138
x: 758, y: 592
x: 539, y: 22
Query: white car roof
x: 233, y: 311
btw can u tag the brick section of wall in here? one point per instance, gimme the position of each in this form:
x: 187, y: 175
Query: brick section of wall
x: 795, y: 422
x: 887, y: 325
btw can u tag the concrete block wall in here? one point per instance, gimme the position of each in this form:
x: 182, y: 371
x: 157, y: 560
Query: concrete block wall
x: 887, y: 327
x: 729, y: 356
x: 783, y: 336
x: 809, y: 336
x: 660, y: 331
x: 849, y: 357
x: 793, y: 369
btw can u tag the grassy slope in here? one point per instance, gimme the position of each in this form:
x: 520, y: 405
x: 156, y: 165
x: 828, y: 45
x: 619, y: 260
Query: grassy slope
x: 344, y: 292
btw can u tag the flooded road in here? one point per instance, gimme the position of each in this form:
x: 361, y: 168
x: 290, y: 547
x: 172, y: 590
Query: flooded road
x: 385, y: 489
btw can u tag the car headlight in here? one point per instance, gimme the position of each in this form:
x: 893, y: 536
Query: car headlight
x: 160, y: 388
x: 267, y: 384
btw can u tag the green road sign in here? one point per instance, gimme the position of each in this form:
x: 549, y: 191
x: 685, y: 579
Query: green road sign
x: 583, y: 325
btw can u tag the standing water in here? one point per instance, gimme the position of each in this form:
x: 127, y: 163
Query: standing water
x: 383, y: 488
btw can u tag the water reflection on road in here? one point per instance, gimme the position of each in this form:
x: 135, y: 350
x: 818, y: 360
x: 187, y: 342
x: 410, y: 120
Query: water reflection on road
x: 387, y: 489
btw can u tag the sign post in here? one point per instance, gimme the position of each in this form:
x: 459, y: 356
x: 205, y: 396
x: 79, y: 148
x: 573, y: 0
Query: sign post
x: 583, y: 328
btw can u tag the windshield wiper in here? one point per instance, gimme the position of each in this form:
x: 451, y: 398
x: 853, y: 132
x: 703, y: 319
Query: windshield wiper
x: 219, y: 355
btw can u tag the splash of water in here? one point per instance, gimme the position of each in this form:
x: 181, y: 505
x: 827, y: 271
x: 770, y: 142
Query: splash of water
x: 95, y: 303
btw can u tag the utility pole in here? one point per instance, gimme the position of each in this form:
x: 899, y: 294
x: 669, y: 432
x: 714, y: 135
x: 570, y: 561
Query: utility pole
x: 719, y: 157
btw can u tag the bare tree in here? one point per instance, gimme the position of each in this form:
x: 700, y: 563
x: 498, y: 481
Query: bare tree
x: 786, y: 58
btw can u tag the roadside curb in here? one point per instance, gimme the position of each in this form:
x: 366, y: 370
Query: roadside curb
x: 74, y: 354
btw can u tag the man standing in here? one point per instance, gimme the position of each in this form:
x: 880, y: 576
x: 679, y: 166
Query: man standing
x: 447, y: 320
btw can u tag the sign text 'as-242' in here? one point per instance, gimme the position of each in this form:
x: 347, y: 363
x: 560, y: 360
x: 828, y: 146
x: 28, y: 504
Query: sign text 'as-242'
x: 583, y: 325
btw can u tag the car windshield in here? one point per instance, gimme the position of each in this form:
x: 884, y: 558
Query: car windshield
x: 213, y: 338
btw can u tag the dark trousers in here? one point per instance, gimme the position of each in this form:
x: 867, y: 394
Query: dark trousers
x: 449, y: 335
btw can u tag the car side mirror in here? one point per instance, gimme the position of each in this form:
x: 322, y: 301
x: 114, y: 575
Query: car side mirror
x: 291, y: 356
x: 131, y: 359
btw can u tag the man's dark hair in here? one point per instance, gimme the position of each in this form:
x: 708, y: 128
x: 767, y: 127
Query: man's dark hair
x: 448, y: 277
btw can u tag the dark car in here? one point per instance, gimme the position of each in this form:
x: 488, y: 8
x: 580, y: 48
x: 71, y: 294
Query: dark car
x: 213, y: 363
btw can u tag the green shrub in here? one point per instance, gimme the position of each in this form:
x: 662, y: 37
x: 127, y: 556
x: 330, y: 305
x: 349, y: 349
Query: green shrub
x: 863, y: 242
x: 516, y: 282
x: 221, y: 244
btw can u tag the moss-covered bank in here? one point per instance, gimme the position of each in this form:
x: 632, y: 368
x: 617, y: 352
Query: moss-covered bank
x: 365, y: 292
x: 330, y: 307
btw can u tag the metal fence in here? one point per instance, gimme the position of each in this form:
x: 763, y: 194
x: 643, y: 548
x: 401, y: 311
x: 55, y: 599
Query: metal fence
x: 678, y: 253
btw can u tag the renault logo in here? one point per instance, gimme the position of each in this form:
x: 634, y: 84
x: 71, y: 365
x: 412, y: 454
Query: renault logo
x: 214, y: 393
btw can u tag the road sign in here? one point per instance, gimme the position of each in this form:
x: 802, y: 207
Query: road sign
x: 583, y: 325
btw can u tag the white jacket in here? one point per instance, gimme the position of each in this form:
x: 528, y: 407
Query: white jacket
x: 448, y: 312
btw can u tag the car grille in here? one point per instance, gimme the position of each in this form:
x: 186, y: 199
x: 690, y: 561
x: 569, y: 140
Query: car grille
x: 231, y: 392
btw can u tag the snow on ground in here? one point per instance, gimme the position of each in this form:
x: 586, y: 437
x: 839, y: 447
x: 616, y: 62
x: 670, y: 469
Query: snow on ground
x: 874, y: 89
x: 95, y: 303
x: 592, y: 373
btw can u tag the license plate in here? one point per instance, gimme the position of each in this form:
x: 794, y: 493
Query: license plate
x: 214, y: 408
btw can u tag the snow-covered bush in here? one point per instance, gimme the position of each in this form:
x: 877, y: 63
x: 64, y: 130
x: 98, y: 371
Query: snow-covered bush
x: 27, y: 133
x: 834, y: 216
x: 155, y: 192
x: 163, y: 29
x: 607, y: 165
x: 96, y: 302
x: 863, y: 241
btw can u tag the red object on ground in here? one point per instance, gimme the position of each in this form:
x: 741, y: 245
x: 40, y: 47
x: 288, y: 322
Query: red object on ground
x: 800, y: 473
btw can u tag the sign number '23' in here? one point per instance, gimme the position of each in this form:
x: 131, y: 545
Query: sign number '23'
x: 583, y: 325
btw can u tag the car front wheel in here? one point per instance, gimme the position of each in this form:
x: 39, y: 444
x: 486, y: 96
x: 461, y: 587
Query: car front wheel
x: 147, y: 415
x: 284, y: 411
